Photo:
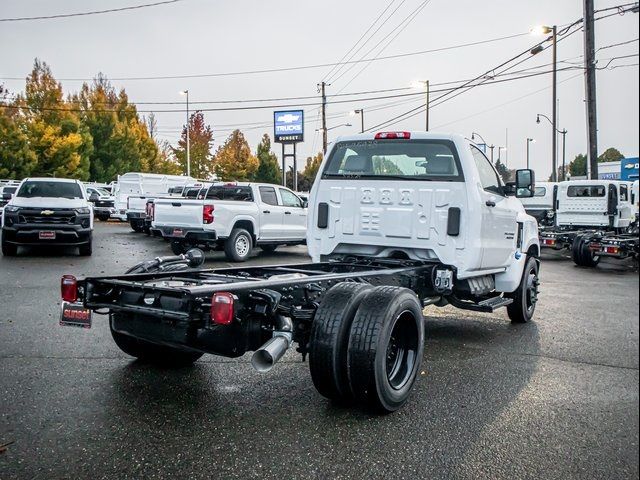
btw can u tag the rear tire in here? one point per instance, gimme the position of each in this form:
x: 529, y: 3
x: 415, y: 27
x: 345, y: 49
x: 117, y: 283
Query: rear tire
x: 239, y: 245
x: 136, y: 226
x: 582, y: 255
x: 526, y: 297
x: 178, y: 248
x: 8, y: 249
x: 154, y: 354
x: 386, y: 346
x: 330, y: 339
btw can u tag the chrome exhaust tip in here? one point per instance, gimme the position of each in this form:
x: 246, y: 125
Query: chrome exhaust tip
x: 264, y: 359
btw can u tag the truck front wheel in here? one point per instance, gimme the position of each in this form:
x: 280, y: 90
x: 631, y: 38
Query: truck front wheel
x: 385, y: 350
x: 154, y: 354
x: 526, y: 297
x: 239, y: 245
x: 330, y: 338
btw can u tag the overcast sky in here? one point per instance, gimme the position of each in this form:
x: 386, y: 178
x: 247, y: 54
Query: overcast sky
x: 217, y: 36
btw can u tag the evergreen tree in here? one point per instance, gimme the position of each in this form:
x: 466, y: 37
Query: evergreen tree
x: 268, y: 170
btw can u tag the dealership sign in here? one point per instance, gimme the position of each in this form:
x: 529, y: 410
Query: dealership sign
x: 630, y: 168
x: 289, y: 126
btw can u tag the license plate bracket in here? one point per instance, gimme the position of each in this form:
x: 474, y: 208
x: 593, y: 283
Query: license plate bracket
x: 47, y: 235
x: 178, y: 232
x: 75, y: 315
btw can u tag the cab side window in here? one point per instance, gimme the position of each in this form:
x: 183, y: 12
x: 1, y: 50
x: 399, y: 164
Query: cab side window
x: 624, y: 193
x: 489, y: 177
x: 289, y: 199
x: 268, y: 195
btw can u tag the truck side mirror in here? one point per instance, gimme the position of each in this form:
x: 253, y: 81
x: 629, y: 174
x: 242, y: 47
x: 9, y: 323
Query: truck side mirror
x: 525, y: 183
x: 305, y: 204
x: 94, y: 197
x: 7, y: 196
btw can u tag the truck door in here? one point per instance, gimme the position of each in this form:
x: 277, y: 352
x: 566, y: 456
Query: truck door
x: 295, y: 215
x: 271, y: 214
x: 499, y: 230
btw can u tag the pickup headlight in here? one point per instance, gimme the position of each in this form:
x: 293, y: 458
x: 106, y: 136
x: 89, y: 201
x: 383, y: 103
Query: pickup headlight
x: 11, y: 209
x: 83, y: 211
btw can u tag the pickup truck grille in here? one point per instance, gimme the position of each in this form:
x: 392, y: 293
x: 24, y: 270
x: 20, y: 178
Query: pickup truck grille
x: 104, y: 203
x: 58, y: 217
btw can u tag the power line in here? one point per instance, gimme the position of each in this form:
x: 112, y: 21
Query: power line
x: 359, y: 40
x: 93, y: 12
x: 289, y: 69
x: 401, y: 26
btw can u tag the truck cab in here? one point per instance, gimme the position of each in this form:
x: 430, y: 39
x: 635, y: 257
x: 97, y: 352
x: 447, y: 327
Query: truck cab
x: 421, y: 196
x: 542, y: 205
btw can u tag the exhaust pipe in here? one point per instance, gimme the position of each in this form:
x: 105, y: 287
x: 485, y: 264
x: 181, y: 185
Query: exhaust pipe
x: 264, y: 359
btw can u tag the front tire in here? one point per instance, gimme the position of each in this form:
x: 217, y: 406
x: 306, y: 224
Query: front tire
x: 525, y: 298
x: 239, y: 245
x: 8, y: 249
x: 148, y: 352
x: 330, y: 339
x: 86, y: 250
x: 385, y: 350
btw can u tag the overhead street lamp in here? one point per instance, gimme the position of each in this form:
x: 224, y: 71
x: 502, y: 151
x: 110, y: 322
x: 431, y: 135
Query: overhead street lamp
x: 545, y: 30
x: 484, y: 142
x: 419, y: 85
x: 361, y: 113
x: 529, y: 142
x: 186, y: 93
x: 563, y: 132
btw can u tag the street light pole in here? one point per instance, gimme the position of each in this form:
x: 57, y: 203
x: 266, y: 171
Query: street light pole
x: 186, y: 93
x: 529, y: 140
x: 361, y: 112
x: 564, y: 147
x: 427, y: 106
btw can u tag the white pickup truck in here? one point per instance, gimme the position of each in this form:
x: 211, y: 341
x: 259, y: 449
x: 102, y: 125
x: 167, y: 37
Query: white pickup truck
x: 398, y: 221
x: 233, y: 217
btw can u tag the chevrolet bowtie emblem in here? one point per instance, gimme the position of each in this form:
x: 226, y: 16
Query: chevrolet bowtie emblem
x: 47, y: 212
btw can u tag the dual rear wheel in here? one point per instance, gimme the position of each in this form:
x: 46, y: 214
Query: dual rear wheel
x: 367, y: 345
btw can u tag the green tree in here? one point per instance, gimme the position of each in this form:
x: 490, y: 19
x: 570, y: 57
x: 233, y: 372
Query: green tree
x: 578, y: 167
x: 17, y: 159
x: 234, y: 160
x: 506, y: 174
x: 268, y: 170
x: 121, y: 140
x: 610, y: 155
x: 201, y: 141
x: 60, y: 141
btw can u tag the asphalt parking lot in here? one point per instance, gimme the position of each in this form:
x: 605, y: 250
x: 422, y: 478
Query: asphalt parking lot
x: 556, y: 398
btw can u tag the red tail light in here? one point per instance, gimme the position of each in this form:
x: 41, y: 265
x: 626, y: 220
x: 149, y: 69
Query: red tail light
x: 393, y: 136
x: 207, y: 214
x: 69, y: 288
x: 222, y: 309
x: 152, y: 211
x: 613, y: 250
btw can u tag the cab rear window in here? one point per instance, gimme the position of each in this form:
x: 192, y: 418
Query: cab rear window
x: 428, y: 160
x: 577, y: 191
x: 231, y: 194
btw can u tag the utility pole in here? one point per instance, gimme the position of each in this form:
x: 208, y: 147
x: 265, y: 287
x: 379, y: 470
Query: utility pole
x: 554, y: 115
x: 491, y: 148
x: 323, y: 86
x: 564, y: 155
x: 590, y: 87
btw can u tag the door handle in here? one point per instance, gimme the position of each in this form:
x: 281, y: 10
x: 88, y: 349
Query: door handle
x: 287, y: 213
x: 490, y: 203
x: 266, y: 212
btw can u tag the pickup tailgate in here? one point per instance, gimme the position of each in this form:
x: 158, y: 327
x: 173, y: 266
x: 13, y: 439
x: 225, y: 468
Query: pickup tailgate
x: 178, y: 212
x: 137, y: 203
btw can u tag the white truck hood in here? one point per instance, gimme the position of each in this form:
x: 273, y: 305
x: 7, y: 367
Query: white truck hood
x: 48, y: 202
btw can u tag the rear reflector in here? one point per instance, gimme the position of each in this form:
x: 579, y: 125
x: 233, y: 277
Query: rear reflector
x: 69, y: 288
x: 207, y: 214
x: 393, y: 136
x: 222, y: 309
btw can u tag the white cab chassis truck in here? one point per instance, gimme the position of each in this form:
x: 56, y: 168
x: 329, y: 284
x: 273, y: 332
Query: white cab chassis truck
x: 397, y: 221
x: 594, y: 219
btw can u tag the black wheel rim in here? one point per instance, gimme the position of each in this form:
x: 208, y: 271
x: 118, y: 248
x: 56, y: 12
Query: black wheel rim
x: 531, y: 296
x: 402, y: 350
